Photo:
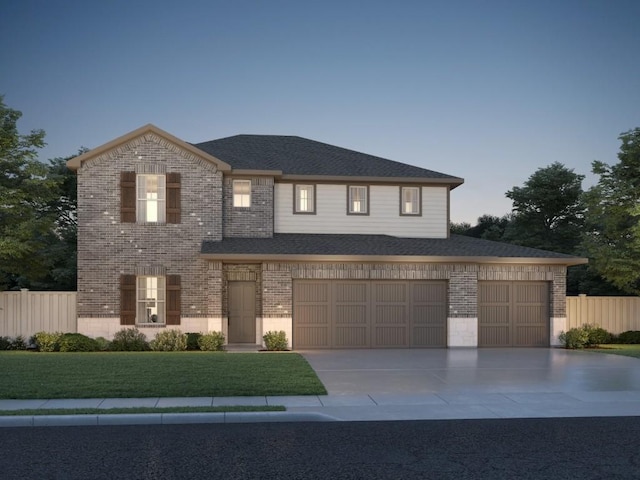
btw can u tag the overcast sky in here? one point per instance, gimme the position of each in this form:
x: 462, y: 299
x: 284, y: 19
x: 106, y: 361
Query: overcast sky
x: 485, y: 90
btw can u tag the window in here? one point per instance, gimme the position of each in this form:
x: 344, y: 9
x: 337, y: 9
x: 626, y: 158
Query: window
x: 305, y: 199
x: 409, y: 200
x: 150, y: 300
x: 242, y: 193
x: 358, y: 201
x: 151, y: 199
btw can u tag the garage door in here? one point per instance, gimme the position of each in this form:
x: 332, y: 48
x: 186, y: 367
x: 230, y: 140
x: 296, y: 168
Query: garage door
x: 513, y: 314
x: 369, y: 314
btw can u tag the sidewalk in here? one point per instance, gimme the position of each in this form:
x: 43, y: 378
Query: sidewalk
x: 360, y: 407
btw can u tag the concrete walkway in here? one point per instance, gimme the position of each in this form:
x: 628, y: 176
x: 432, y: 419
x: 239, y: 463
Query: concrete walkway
x: 407, y: 385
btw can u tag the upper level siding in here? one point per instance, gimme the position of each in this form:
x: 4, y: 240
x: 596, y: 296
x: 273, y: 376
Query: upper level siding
x: 384, y: 213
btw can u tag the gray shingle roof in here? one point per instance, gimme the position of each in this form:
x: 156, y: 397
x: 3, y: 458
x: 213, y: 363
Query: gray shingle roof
x: 300, y: 156
x: 377, y: 245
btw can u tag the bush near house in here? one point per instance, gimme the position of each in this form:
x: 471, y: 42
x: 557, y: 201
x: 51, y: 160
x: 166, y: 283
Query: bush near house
x: 48, y: 342
x: 192, y: 340
x: 211, y: 342
x: 76, y: 342
x: 276, y: 341
x: 169, y: 341
x: 129, y: 340
x: 629, y: 337
x: 587, y: 336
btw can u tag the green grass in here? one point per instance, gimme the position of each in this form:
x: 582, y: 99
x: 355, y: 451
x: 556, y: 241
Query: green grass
x: 25, y: 375
x: 619, y: 349
x: 113, y: 411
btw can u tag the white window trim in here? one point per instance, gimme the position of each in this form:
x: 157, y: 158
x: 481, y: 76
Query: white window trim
x: 241, y: 200
x: 144, y: 200
x: 147, y: 308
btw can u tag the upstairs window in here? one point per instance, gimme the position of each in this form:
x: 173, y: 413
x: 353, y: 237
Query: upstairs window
x: 150, y: 300
x: 410, y: 201
x: 147, y: 198
x: 151, y: 199
x: 242, y: 193
x: 305, y: 199
x: 358, y: 200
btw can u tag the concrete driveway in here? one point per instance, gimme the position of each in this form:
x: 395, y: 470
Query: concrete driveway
x: 495, y: 370
x: 475, y: 383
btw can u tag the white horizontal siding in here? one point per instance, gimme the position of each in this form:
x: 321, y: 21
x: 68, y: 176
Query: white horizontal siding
x: 384, y: 216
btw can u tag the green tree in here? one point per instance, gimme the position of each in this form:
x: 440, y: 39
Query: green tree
x: 37, y: 212
x: 548, y: 211
x: 612, y: 237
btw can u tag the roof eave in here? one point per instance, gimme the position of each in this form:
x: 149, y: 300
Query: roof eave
x: 274, y: 257
x: 453, y: 182
x: 76, y: 162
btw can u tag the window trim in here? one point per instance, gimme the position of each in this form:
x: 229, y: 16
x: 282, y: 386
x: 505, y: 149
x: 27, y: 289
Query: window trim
x: 314, y: 189
x: 239, y: 181
x: 418, y: 200
x: 161, y: 201
x: 367, y: 200
x: 160, y: 299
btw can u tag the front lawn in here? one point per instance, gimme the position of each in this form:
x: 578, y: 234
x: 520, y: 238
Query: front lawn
x: 618, y: 349
x: 25, y: 375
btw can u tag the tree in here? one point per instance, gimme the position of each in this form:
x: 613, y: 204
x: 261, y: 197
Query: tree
x: 612, y: 237
x: 548, y: 211
x: 37, y: 212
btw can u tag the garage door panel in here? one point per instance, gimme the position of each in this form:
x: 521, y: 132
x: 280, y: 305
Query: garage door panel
x: 372, y: 313
x: 390, y: 337
x: 513, y: 314
x: 316, y: 337
x: 351, y: 337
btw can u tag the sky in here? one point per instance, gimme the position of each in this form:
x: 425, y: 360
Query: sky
x: 486, y: 90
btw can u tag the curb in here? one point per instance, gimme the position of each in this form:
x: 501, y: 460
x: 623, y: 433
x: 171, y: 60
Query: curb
x: 160, y: 419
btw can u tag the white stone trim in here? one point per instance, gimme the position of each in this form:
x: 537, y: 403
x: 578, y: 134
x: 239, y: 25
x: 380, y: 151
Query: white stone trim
x: 558, y: 325
x: 462, y: 332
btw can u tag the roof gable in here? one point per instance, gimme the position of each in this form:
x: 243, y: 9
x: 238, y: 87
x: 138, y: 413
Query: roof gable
x: 76, y: 163
x: 298, y: 157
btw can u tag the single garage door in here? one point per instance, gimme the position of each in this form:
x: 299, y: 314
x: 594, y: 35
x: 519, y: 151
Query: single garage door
x: 369, y: 314
x: 513, y: 314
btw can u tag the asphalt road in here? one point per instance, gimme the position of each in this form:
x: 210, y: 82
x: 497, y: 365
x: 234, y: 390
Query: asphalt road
x: 457, y: 449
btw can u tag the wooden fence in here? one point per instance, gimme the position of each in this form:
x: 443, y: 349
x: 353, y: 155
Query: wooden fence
x: 614, y: 314
x: 25, y: 313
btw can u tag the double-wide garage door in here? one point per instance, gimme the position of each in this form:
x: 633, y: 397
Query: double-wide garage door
x: 369, y: 313
x: 513, y: 314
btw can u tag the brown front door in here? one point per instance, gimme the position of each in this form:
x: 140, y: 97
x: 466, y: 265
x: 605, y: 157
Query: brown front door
x: 242, y: 312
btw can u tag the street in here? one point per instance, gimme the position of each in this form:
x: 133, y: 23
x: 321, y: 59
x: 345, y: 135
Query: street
x: 457, y: 449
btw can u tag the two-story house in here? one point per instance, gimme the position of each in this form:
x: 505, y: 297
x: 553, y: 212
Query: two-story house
x: 254, y: 233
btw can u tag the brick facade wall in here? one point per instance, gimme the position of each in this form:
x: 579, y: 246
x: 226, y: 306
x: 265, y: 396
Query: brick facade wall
x: 108, y: 248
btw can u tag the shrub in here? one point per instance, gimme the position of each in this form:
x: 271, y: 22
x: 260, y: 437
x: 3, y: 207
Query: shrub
x: 5, y: 343
x: 129, y: 340
x: 18, y: 343
x: 630, y: 336
x: 275, y: 340
x: 192, y: 341
x: 169, y: 341
x: 211, y: 342
x: 48, y: 342
x: 76, y: 342
x: 597, y: 335
x: 103, y: 345
x: 574, y: 338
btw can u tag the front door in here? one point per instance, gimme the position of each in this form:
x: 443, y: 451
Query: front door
x: 242, y: 312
